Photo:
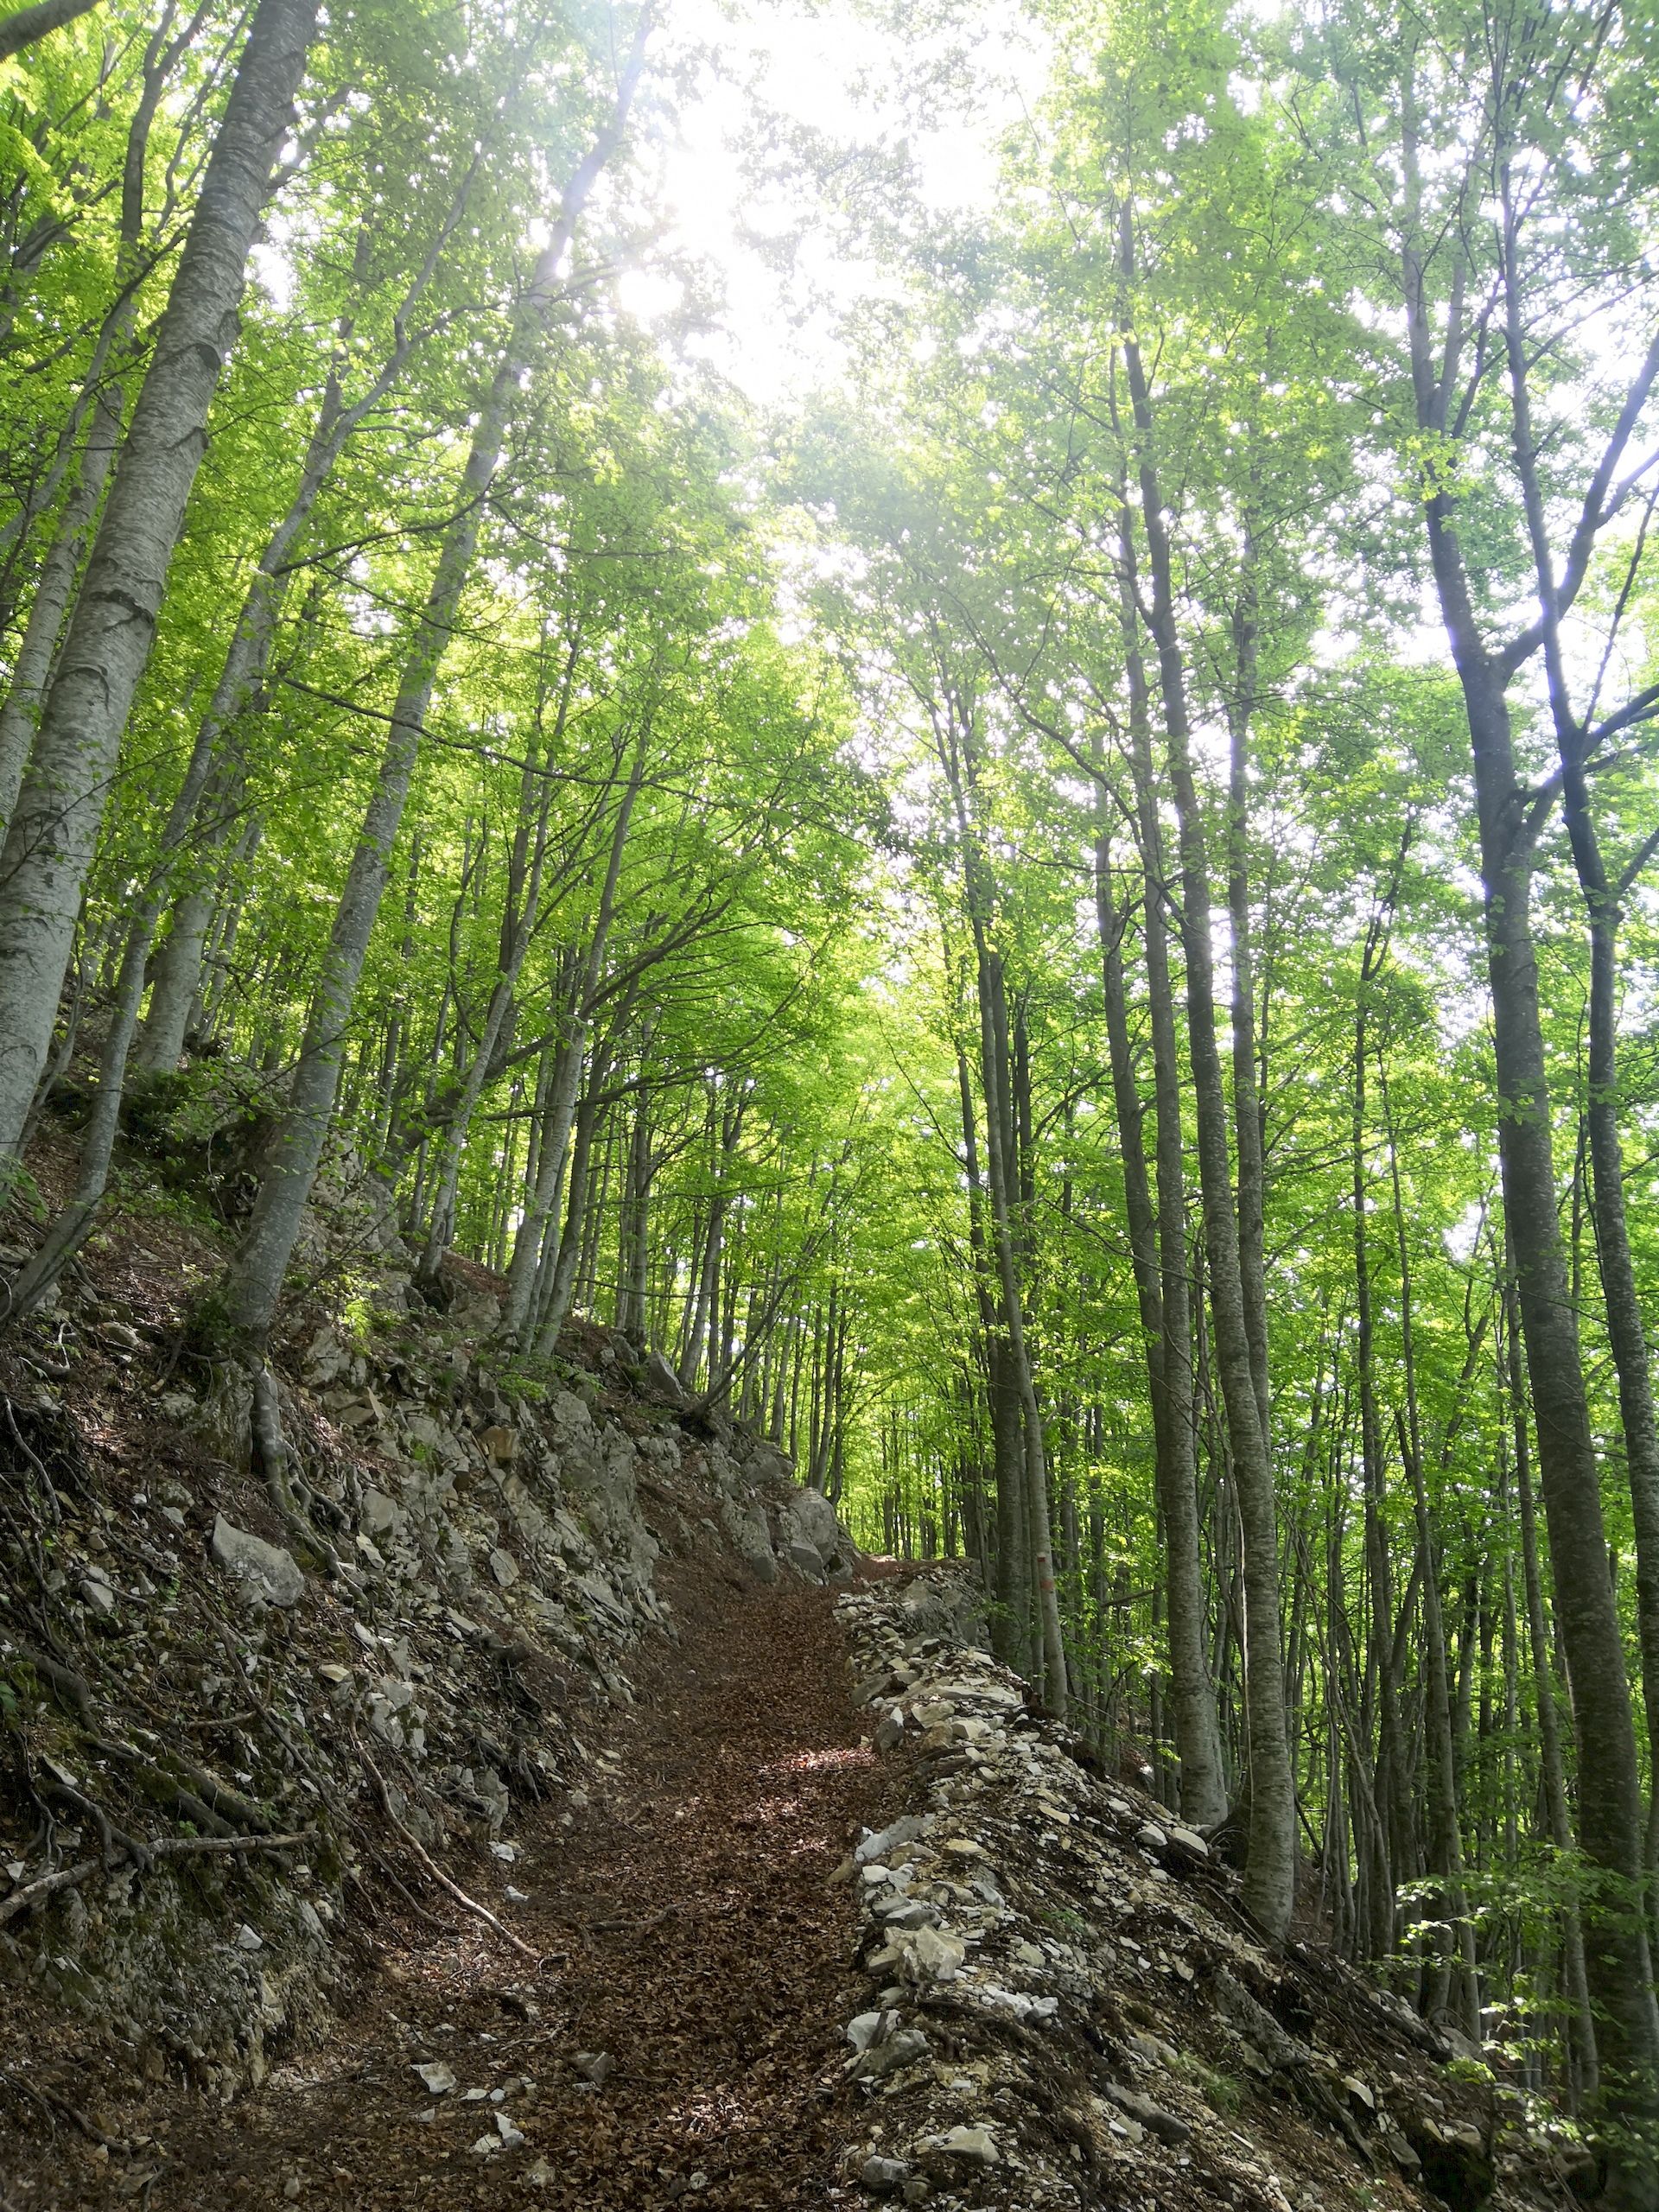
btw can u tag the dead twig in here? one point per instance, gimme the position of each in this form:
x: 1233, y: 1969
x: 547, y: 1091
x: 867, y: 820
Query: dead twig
x: 183, y: 1846
x: 425, y: 1860
x: 50, y: 2101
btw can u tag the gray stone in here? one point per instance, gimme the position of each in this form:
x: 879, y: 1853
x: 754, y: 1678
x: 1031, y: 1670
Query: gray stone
x: 884, y: 2176
x: 905, y: 2048
x: 907, y: 1912
x: 973, y: 2146
x: 438, y: 2076
x: 933, y: 1953
x: 97, y: 1591
x: 810, y: 1518
x: 660, y: 1381
x: 381, y: 1515
x: 865, y: 2028
x: 804, y: 1559
x: 595, y: 2066
x: 909, y: 1828
x: 750, y: 1536
x: 265, y: 1571
x: 1156, y: 2121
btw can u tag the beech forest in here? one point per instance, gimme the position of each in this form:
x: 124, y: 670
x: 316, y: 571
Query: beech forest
x: 1058, y: 909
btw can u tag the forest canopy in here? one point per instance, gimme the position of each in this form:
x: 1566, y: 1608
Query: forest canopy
x: 1034, y: 863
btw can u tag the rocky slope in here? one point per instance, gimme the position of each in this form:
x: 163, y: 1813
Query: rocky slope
x: 527, y: 1712
x: 226, y: 1750
x: 1067, y: 2006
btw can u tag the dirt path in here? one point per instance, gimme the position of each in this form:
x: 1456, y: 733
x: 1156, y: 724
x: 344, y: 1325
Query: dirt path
x: 689, y: 1934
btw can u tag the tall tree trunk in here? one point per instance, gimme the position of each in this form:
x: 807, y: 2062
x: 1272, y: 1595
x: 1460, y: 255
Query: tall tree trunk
x: 1246, y: 1102
x: 104, y: 394
x: 1002, y: 1173
x: 535, y: 1259
x: 49, y: 848
x: 1203, y: 1795
x: 1610, y: 1803
x: 1270, y: 1870
x: 1617, y: 1961
x: 26, y: 25
x: 254, y: 1281
x: 1581, y: 2032
x: 1602, y: 897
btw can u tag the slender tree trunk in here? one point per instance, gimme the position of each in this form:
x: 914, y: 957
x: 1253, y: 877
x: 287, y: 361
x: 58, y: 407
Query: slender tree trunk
x: 1581, y: 2036
x: 1617, y: 1961
x: 1001, y: 1172
x: 532, y: 1266
x: 105, y: 394
x: 49, y: 843
x: 1610, y: 1803
x: 254, y: 1281
x: 1246, y: 1102
x: 1203, y: 1790
x: 1270, y: 1871
x: 1602, y: 899
x: 26, y: 25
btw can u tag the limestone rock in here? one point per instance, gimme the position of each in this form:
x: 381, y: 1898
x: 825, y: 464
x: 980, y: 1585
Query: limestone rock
x: 659, y: 1381
x: 886, y: 2177
x: 265, y: 1571
x: 767, y: 1463
x: 969, y: 2146
x: 809, y: 1519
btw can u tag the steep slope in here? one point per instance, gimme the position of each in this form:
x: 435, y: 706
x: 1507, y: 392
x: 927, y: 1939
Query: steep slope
x: 234, y: 1759
x: 1067, y: 2005
x: 520, y: 1820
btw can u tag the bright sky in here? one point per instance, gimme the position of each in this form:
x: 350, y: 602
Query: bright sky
x: 833, y: 70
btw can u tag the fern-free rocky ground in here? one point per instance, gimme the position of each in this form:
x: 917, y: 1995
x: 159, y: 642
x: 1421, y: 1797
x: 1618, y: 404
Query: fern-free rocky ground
x: 582, y: 1822
x: 681, y: 2037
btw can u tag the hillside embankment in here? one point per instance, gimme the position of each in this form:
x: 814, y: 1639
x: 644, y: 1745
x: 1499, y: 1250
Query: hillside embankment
x: 544, y: 1803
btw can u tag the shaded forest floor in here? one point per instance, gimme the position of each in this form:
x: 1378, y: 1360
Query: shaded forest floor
x: 694, y: 1956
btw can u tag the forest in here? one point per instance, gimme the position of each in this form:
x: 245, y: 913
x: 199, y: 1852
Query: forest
x: 1064, y: 919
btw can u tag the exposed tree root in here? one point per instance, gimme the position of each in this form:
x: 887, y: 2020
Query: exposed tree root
x: 184, y: 1846
x: 429, y: 1865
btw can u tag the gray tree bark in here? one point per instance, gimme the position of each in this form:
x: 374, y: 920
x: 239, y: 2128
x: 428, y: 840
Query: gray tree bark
x: 535, y: 1258
x: 254, y: 1279
x: 1270, y: 1868
x: 49, y: 848
x: 27, y: 24
x: 1618, y: 1965
x: 1192, y: 1698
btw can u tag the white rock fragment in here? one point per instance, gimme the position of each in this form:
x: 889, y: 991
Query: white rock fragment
x: 933, y: 1953
x: 265, y: 1572
x: 974, y: 2146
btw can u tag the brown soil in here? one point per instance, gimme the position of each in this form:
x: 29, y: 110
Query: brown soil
x: 687, y: 1928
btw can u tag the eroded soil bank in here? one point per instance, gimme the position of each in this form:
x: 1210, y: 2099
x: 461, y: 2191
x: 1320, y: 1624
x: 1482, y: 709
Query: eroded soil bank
x: 694, y: 1956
